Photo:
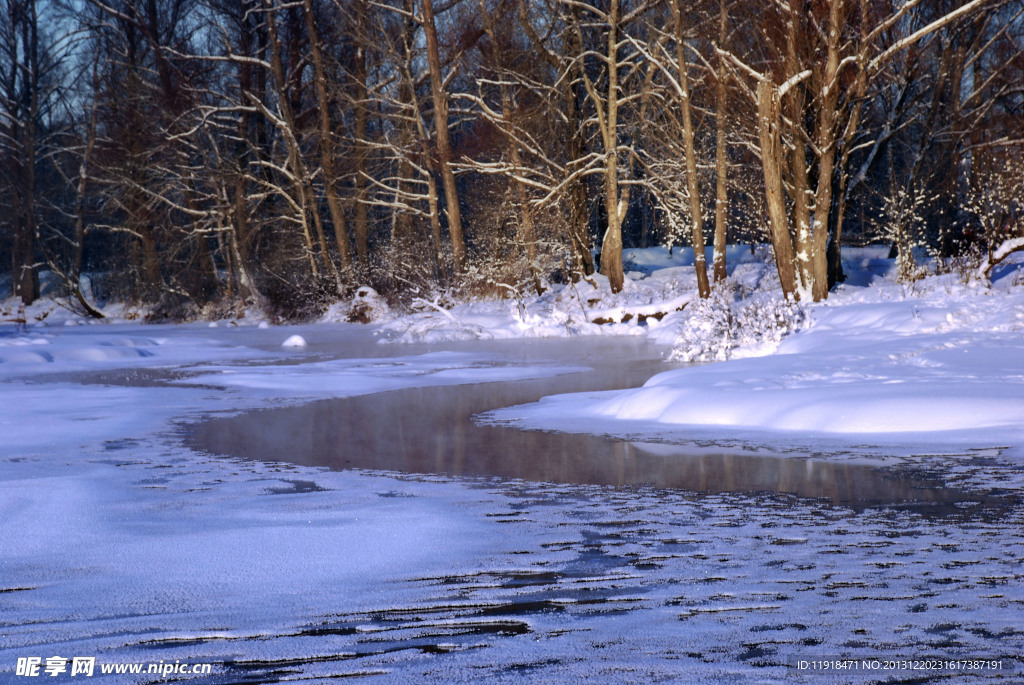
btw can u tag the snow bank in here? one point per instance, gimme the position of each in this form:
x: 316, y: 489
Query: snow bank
x: 659, y: 286
x: 943, y: 362
x: 585, y: 308
x: 95, y: 348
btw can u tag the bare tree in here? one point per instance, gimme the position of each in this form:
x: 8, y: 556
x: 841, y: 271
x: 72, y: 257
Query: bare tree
x: 325, y: 140
x: 29, y: 78
x: 607, y: 99
x: 806, y: 114
x: 528, y: 233
x: 721, y: 146
x: 439, y: 94
x: 551, y: 28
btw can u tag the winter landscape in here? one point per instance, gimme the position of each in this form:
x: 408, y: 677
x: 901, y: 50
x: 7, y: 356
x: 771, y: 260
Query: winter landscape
x: 850, y: 490
x: 513, y: 341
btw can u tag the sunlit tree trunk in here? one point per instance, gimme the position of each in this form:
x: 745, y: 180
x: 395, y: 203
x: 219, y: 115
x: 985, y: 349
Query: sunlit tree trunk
x: 444, y: 149
x: 700, y: 260
x: 721, y: 151
x: 769, y: 116
x: 796, y: 112
x: 826, y: 144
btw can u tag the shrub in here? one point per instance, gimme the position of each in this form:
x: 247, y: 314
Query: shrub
x: 718, y: 328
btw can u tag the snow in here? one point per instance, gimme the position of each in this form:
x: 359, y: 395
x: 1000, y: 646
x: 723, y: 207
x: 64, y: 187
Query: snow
x: 938, y: 363
x: 79, y: 349
x: 116, y: 536
x: 122, y: 542
x: 358, y: 376
x: 294, y: 341
x: 659, y: 285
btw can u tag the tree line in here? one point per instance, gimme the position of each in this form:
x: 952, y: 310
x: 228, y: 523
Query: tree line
x: 281, y: 153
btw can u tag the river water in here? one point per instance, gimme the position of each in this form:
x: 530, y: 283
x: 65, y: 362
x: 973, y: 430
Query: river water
x: 431, y: 430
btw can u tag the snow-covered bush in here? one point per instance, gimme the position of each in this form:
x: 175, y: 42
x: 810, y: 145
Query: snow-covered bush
x: 904, y: 227
x: 765, y: 320
x: 706, y: 332
x: 367, y: 306
x: 966, y: 264
x: 717, y: 328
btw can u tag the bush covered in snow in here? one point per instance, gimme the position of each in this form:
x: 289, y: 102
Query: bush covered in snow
x: 718, y: 328
x: 366, y: 306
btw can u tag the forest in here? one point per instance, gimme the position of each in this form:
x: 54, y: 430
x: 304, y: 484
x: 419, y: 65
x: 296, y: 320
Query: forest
x: 204, y: 156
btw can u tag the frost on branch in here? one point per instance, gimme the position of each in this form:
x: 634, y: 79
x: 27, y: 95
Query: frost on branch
x: 717, y: 328
x: 904, y: 227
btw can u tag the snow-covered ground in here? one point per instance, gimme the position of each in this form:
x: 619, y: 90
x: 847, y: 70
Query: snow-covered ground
x: 933, y: 363
x: 121, y: 542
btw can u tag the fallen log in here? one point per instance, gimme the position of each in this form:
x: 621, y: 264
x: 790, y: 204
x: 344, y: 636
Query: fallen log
x: 642, y: 313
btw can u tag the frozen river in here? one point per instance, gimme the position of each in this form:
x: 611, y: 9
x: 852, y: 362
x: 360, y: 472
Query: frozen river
x: 250, y: 518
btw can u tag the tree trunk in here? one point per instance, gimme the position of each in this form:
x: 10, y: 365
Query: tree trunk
x: 360, y: 76
x: 835, y: 257
x: 577, y: 219
x: 826, y: 145
x: 798, y: 162
x: 444, y: 150
x: 693, y: 187
x: 152, y: 279
x: 23, y: 268
x: 721, y: 154
x: 24, y: 272
x: 769, y: 115
x: 75, y: 275
x: 22, y: 95
x: 616, y: 201
x: 325, y: 142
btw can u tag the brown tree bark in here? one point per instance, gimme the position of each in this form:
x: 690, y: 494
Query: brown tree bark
x: 326, y: 137
x: 526, y: 230
x: 826, y: 144
x: 769, y: 116
x: 577, y: 223
x: 444, y: 149
x: 693, y: 187
x: 360, y: 91
x: 798, y: 161
x: 616, y: 199
x: 721, y: 151
x: 18, y: 135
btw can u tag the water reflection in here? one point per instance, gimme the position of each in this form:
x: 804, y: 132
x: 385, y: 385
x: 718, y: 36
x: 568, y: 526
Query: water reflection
x: 428, y: 430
